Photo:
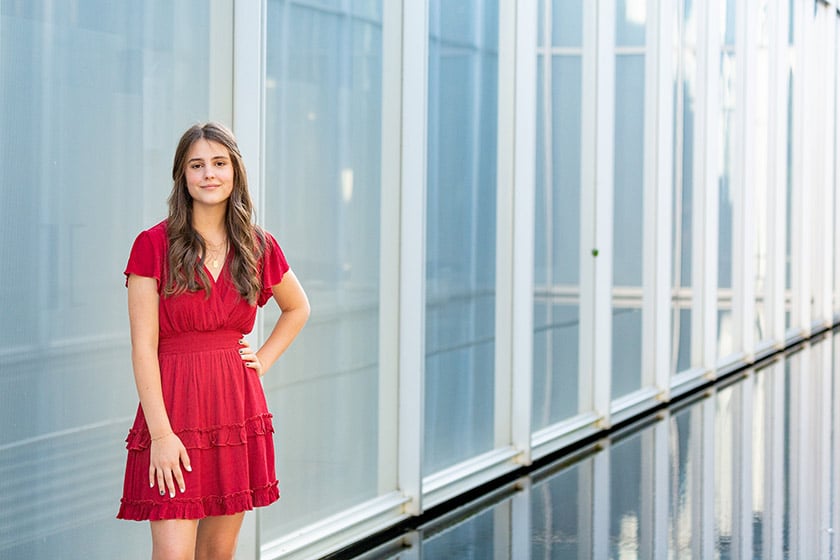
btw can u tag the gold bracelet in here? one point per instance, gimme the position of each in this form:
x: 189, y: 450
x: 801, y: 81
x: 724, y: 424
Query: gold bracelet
x: 163, y: 436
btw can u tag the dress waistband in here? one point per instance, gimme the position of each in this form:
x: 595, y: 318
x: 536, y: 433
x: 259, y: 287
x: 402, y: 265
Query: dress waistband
x: 196, y: 341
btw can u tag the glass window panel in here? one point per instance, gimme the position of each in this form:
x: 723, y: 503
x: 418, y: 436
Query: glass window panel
x: 631, y: 18
x: 557, y: 237
x: 566, y: 23
x: 323, y: 154
x: 628, y: 218
x: 684, y: 98
x: 460, y: 231
x: 94, y: 98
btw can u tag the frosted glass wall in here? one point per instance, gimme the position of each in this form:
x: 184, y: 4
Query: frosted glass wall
x: 628, y: 196
x: 460, y: 231
x: 93, y: 98
x: 557, y: 217
x: 322, y: 190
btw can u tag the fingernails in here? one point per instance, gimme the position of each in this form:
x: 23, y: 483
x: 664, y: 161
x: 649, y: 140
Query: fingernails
x: 172, y: 493
x: 182, y: 489
x: 189, y: 468
x: 162, y: 492
x: 241, y: 351
x: 151, y: 485
x: 242, y: 341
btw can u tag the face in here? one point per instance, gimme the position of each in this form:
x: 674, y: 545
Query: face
x: 209, y: 173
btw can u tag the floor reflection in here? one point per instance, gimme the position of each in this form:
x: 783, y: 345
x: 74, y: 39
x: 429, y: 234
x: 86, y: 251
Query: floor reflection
x: 748, y: 469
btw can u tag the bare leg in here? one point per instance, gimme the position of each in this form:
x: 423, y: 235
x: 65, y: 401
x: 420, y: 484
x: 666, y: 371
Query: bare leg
x: 173, y: 539
x: 217, y: 537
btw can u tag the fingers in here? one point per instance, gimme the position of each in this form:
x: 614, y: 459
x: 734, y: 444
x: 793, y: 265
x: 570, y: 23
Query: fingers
x: 185, y: 460
x: 250, y: 357
x: 170, y: 480
x: 161, y: 482
x: 165, y: 468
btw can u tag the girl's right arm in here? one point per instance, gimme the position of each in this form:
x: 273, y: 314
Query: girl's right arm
x: 167, y: 452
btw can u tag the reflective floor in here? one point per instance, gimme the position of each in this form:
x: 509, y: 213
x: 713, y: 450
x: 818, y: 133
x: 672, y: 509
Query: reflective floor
x: 748, y: 469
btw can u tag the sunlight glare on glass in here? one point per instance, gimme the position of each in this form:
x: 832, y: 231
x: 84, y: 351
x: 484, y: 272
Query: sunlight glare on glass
x: 636, y: 11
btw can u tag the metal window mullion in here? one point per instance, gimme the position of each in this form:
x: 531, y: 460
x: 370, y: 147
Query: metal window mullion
x: 414, y: 98
x: 836, y: 159
x: 657, y: 204
x: 602, y: 212
x: 505, y: 240
x: 745, y: 242
x: 777, y: 175
x: 587, y: 377
x: 800, y: 268
x: 812, y: 190
x: 826, y: 257
x: 704, y: 228
x: 389, y: 247
x: 524, y: 193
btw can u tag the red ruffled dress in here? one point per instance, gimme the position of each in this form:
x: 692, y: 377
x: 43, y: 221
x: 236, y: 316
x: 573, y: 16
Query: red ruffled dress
x: 216, y: 405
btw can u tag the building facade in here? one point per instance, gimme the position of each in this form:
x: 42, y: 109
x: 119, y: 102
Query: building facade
x: 519, y: 222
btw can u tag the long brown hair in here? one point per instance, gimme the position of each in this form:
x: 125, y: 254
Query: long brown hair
x: 186, y: 246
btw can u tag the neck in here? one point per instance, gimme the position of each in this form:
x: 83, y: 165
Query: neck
x: 209, y: 222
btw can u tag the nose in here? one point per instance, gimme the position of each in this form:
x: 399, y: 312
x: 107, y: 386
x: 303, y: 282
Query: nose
x: 209, y: 171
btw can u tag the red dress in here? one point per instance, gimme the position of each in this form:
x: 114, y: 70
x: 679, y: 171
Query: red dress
x: 215, y: 404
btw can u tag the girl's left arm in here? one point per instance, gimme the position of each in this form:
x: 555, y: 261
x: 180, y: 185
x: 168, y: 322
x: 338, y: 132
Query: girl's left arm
x: 294, y: 305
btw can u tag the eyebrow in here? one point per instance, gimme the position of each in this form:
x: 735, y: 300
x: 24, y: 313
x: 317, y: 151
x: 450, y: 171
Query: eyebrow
x: 211, y: 159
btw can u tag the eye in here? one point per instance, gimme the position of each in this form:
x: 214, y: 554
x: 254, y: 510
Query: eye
x: 195, y: 165
x: 221, y: 163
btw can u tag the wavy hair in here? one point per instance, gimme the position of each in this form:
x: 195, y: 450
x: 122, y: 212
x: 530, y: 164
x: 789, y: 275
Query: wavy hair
x: 187, y: 248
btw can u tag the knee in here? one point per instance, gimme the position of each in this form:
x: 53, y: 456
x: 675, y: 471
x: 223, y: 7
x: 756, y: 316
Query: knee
x: 171, y: 551
x: 215, y: 549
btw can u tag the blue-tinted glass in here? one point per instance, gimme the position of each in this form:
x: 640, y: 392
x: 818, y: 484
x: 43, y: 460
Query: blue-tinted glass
x: 729, y: 22
x: 94, y: 98
x: 557, y: 235
x: 567, y: 23
x: 627, y: 350
x: 628, y: 204
x: 631, y: 18
x: 322, y: 201
x: 460, y: 231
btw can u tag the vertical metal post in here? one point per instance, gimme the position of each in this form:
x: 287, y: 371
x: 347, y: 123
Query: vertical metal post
x: 414, y: 97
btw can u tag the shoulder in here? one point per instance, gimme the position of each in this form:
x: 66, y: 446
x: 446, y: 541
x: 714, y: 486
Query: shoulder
x: 155, y: 235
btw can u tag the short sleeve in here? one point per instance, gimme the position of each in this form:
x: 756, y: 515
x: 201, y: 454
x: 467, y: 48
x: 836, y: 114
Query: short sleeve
x: 274, y: 266
x: 146, y: 258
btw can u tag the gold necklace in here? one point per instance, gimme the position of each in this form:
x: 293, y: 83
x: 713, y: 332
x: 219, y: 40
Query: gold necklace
x: 213, y: 256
